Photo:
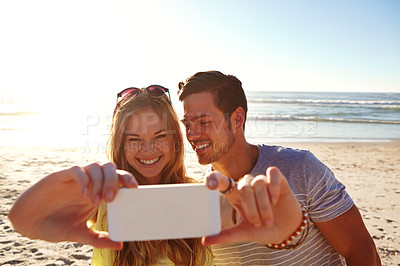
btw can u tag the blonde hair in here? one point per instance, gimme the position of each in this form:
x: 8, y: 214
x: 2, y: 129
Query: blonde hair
x: 179, y: 251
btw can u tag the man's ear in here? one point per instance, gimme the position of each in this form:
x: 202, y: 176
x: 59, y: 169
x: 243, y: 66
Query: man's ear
x: 237, y: 119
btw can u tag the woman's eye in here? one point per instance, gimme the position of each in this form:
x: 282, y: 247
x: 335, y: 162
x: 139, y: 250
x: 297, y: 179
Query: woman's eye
x: 205, y: 122
x: 133, y: 139
x: 161, y: 136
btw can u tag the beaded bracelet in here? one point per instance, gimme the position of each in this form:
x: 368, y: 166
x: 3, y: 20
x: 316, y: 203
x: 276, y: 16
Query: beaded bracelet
x: 302, y: 230
x: 287, y: 244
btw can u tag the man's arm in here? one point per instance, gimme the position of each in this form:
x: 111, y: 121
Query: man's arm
x: 348, y: 235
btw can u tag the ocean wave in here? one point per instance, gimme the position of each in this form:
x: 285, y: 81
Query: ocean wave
x: 381, y: 103
x: 317, y: 119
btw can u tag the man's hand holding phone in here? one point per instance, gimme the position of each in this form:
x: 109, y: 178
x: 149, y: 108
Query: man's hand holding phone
x: 267, y: 209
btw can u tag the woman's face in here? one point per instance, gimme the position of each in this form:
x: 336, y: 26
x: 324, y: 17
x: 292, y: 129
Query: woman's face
x: 147, y: 146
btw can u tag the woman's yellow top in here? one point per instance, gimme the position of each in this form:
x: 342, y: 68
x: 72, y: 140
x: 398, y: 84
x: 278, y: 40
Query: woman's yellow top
x: 106, y: 257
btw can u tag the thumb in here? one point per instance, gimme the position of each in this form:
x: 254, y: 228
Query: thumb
x: 216, y: 180
x: 98, y: 239
x: 274, y: 177
x: 230, y: 235
x: 277, y: 184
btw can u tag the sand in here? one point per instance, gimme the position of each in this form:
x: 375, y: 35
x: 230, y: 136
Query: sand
x: 371, y: 172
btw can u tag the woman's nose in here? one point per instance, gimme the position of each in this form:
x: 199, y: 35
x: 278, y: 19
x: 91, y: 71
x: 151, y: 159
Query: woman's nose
x: 147, y: 146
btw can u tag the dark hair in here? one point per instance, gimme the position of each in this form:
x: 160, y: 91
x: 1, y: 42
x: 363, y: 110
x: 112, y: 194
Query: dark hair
x: 226, y: 89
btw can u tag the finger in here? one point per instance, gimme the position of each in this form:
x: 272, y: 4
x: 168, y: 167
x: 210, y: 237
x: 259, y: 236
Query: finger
x: 216, y: 180
x: 274, y: 177
x: 76, y: 173
x: 248, y: 201
x: 96, y: 177
x: 98, y: 239
x: 226, y: 236
x: 102, y: 240
x: 110, y: 182
x: 259, y: 184
x: 126, y: 179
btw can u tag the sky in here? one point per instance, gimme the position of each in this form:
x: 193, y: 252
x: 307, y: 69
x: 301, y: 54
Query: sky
x: 67, y: 60
x: 67, y: 53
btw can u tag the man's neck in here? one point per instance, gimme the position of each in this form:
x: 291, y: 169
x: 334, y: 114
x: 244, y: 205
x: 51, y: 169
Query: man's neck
x: 239, y: 161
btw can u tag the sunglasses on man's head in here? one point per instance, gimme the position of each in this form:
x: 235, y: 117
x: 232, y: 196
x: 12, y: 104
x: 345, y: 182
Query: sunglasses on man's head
x: 154, y: 91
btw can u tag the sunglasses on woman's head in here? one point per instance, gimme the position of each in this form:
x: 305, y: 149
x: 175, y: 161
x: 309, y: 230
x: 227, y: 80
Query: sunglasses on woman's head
x: 154, y: 91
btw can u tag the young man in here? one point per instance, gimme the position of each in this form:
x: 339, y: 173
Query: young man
x: 215, y: 110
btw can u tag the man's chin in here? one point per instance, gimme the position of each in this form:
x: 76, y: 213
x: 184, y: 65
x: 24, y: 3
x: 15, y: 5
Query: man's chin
x: 203, y: 161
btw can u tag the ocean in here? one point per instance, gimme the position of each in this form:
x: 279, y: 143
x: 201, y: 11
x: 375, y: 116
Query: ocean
x: 272, y: 117
x: 323, y: 116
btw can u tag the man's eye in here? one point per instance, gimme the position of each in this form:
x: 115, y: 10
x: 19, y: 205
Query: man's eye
x: 205, y: 122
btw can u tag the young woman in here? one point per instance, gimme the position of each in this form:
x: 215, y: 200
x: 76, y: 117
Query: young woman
x: 145, y: 141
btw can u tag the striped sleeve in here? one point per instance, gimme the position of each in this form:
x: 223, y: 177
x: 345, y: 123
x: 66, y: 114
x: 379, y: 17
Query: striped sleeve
x: 326, y: 196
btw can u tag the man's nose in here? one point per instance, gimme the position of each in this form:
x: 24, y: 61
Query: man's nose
x: 193, y: 133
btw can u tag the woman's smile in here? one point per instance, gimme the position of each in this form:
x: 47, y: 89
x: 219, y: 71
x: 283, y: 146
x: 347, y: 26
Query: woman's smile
x: 149, y: 162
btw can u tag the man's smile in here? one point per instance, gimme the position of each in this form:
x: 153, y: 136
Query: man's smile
x: 200, y: 147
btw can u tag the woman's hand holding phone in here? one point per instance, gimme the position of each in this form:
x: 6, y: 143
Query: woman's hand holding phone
x: 58, y: 206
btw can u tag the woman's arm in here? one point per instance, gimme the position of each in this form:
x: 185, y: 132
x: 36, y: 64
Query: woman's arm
x: 57, y: 207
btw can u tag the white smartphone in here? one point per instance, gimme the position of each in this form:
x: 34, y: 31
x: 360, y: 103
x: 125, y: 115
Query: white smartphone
x: 152, y: 212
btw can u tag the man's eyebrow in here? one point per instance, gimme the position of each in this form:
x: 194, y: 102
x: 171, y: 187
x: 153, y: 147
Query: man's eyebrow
x: 194, y: 117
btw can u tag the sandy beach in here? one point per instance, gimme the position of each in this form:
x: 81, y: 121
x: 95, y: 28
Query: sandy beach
x: 370, y: 171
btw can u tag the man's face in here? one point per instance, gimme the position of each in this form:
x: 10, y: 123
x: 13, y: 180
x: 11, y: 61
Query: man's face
x: 206, y: 128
